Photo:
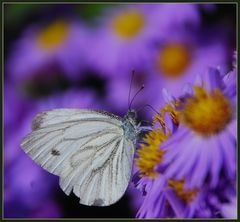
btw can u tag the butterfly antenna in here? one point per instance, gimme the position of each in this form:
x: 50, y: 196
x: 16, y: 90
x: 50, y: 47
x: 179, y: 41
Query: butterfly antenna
x: 130, y: 88
x: 142, y: 87
x: 147, y: 105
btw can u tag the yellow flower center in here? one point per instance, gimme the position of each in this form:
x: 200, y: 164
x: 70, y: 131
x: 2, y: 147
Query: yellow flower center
x: 207, y: 113
x: 128, y: 24
x: 149, y: 154
x: 173, y: 60
x: 53, y: 35
x: 185, y: 195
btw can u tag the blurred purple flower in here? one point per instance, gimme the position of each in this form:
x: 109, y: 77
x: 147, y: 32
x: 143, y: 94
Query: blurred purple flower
x: 179, y: 59
x: 61, y: 43
x: 127, y: 33
x: 172, y: 55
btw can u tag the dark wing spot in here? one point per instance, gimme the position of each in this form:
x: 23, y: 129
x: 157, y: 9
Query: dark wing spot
x: 36, y: 124
x: 55, y: 152
x: 37, y: 121
x: 98, y: 202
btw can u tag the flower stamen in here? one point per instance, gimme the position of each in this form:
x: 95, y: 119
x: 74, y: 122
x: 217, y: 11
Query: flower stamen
x: 170, y: 108
x: 128, y: 24
x: 149, y: 153
x: 185, y: 195
x: 207, y: 113
x: 53, y: 35
x: 173, y: 60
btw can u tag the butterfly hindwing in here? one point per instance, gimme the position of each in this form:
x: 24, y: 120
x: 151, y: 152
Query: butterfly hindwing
x: 87, y: 149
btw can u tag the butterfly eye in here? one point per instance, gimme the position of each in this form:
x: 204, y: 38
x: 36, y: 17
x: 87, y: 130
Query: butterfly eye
x: 132, y: 114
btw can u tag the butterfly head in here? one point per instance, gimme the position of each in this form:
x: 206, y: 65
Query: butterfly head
x: 131, y: 115
x: 129, y: 125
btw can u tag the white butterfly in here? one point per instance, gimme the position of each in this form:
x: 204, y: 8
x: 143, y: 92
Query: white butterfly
x: 91, y: 151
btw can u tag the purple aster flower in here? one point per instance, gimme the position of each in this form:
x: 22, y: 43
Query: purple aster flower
x: 156, y: 190
x: 127, y: 33
x: 179, y: 59
x: 170, y: 198
x: 206, y: 135
x: 179, y: 175
x: 61, y: 43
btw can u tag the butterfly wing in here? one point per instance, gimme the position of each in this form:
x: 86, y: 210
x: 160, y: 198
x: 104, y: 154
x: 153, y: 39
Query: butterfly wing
x: 86, y: 149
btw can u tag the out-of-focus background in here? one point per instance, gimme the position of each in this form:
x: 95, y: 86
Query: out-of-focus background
x: 82, y: 56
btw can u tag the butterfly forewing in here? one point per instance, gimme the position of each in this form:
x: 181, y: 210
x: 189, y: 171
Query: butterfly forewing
x: 87, y: 149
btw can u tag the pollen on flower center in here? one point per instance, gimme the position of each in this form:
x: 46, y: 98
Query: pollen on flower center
x: 53, y: 35
x: 173, y: 60
x: 185, y: 195
x: 207, y: 113
x: 149, y: 154
x: 128, y: 24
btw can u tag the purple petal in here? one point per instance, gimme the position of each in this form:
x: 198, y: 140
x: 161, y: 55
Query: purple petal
x: 232, y: 128
x: 187, y: 89
x: 185, y: 151
x: 201, y: 168
x: 212, y: 79
x: 188, y: 166
x: 198, y: 81
x: 167, y: 96
x: 175, y: 203
x: 228, y: 147
x: 217, y: 162
x: 191, y: 209
x: 176, y: 137
x: 229, y: 210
